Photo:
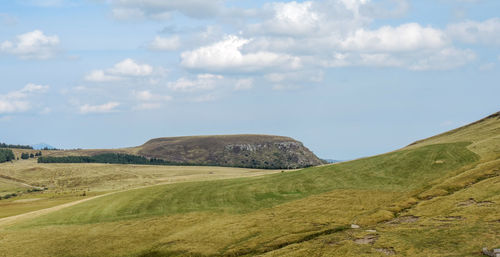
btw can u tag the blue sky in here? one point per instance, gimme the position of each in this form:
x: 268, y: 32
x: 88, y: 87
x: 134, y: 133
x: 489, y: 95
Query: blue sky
x: 348, y: 78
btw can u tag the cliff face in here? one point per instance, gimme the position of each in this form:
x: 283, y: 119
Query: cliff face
x: 250, y: 151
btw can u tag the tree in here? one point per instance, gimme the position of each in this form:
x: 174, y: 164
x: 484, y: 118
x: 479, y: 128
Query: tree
x: 6, y: 155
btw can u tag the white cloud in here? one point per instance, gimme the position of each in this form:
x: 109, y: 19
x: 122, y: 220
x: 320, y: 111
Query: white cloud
x: 11, y: 106
x: 103, y: 108
x: 226, y: 55
x: 302, y: 76
x: 101, y: 76
x: 332, y: 33
x: 202, y: 82
x: 244, y: 84
x: 32, y: 45
x: 165, y: 43
x: 146, y: 95
x: 149, y: 100
x: 18, y: 101
x: 290, y: 18
x: 406, y: 37
x: 474, y: 32
x: 129, y: 67
x: 426, y: 59
x: 125, y: 69
x: 444, y: 59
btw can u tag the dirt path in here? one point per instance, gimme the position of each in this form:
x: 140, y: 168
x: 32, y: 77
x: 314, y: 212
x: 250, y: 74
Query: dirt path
x: 30, y: 215
x: 22, y: 182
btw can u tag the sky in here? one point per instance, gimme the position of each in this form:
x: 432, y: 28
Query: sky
x: 348, y: 78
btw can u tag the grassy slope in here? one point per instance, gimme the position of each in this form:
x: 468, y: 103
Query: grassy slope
x: 457, y: 215
x: 296, y: 213
x: 67, y: 182
x: 393, y: 172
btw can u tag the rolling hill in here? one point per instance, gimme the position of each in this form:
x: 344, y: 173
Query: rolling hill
x: 437, y: 197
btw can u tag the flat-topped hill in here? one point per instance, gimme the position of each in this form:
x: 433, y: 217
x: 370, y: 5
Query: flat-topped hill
x: 255, y: 151
x: 246, y: 151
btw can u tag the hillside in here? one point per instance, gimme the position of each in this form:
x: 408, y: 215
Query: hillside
x: 246, y: 151
x: 437, y: 197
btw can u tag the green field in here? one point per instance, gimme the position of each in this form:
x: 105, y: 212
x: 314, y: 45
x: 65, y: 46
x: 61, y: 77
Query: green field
x: 437, y: 197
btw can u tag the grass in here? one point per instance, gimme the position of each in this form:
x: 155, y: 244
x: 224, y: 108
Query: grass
x: 108, y: 177
x: 448, y: 185
x: 67, y: 182
x: 36, y: 201
x: 391, y: 172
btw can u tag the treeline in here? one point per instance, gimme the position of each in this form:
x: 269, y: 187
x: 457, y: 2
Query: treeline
x: 4, y: 145
x: 26, y: 156
x: 113, y: 158
x: 6, y: 155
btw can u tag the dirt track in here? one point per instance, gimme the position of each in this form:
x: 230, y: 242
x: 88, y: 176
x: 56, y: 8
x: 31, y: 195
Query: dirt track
x: 14, y: 219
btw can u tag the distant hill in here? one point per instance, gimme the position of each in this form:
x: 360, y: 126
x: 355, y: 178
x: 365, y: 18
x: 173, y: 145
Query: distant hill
x: 331, y: 161
x: 248, y: 151
x: 42, y: 146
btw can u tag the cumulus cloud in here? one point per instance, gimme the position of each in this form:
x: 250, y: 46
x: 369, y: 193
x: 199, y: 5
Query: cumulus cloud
x: 32, y: 45
x: 406, y: 37
x: 165, y: 43
x: 475, y: 32
x: 289, y: 19
x: 202, y: 82
x: 18, y: 101
x: 103, y: 108
x: 310, y: 18
x: 122, y: 70
x: 226, y: 55
x: 294, y: 36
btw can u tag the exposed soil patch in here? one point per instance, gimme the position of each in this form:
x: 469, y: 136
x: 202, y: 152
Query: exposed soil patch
x: 450, y: 218
x: 26, y: 200
x: 386, y: 251
x: 473, y: 201
x: 404, y: 220
x: 36, y: 169
x: 369, y: 239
